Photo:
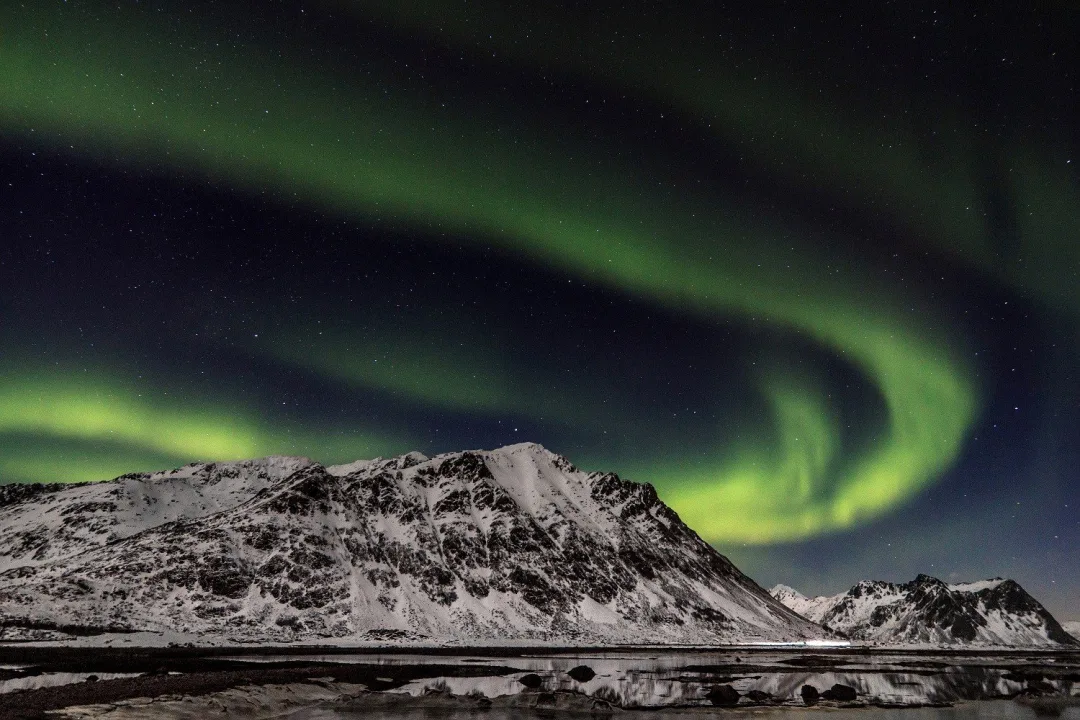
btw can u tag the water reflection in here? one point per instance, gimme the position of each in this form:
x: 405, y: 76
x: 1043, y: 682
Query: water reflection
x: 970, y: 711
x: 659, y: 688
x: 671, y: 680
x: 683, y: 680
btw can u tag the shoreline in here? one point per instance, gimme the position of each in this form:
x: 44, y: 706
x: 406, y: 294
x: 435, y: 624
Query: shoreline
x: 30, y: 652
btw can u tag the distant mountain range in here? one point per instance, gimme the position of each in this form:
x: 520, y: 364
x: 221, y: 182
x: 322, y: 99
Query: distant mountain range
x: 927, y: 611
x: 472, y: 547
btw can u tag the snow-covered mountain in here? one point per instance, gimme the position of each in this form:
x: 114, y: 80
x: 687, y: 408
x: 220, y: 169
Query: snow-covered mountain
x: 514, y: 543
x: 807, y: 607
x: 1072, y: 627
x: 927, y: 611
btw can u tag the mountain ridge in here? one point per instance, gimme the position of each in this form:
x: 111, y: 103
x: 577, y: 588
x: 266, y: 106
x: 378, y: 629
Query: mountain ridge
x: 928, y: 611
x: 464, y: 547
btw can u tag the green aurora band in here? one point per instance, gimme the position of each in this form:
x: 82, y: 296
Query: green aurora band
x: 96, y: 424
x: 919, y: 164
x: 121, y: 87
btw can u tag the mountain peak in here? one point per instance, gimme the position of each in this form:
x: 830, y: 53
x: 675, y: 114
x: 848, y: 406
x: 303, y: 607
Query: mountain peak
x: 924, y: 579
x: 792, y: 598
x: 781, y: 590
x: 531, y: 449
x: 413, y: 457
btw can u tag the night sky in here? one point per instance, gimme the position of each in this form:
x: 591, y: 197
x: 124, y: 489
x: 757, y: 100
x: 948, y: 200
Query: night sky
x: 812, y: 273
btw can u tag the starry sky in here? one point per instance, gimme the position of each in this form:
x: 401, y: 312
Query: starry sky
x: 812, y: 273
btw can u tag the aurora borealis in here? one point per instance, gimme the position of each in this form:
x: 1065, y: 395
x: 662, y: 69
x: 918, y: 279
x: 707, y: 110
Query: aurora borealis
x: 813, y: 279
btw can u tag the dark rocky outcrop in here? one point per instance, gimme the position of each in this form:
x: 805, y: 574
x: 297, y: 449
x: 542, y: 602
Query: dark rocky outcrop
x: 840, y: 693
x: 723, y: 696
x: 531, y: 681
x: 582, y: 673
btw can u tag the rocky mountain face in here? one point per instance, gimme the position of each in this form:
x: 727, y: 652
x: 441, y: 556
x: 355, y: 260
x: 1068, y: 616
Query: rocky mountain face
x: 1073, y: 628
x: 511, y: 544
x: 927, y: 611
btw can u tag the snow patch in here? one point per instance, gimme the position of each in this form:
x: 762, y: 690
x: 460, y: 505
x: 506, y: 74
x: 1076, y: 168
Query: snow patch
x: 977, y: 585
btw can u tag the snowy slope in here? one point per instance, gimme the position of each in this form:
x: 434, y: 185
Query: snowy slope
x: 926, y: 611
x: 1072, y: 627
x: 39, y: 523
x: 807, y: 607
x: 473, y: 546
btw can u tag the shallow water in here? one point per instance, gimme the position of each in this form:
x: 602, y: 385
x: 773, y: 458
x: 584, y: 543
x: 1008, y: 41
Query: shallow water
x: 673, y: 684
x: 967, y: 711
x: 639, y: 680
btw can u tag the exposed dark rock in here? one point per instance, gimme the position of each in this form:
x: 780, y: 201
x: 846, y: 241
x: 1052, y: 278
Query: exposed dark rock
x: 1022, y: 676
x: 224, y: 576
x: 759, y: 696
x: 840, y: 693
x: 809, y: 694
x: 723, y: 695
x: 582, y: 673
x: 531, y: 681
x: 545, y: 701
x: 13, y: 493
x: 1040, y: 687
